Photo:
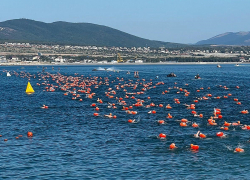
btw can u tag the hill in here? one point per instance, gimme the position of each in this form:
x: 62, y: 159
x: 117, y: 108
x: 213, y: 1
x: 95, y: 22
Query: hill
x: 25, y: 30
x: 229, y: 38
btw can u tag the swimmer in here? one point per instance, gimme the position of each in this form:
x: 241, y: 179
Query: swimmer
x: 44, y: 107
x: 244, y: 111
x: 168, y: 106
x: 161, y: 122
x: 110, y: 105
x: 109, y: 115
x: 236, y: 123
x: 187, y: 106
x: 245, y: 127
x: 131, y: 121
x: 195, y: 125
x: 197, y: 134
x: 169, y: 116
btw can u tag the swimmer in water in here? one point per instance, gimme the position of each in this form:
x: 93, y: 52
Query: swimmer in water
x: 197, y: 134
x: 44, y: 107
x: 109, y: 115
x: 236, y: 123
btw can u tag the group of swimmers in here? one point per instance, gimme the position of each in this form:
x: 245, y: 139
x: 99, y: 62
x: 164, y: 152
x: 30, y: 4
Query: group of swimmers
x: 132, y: 91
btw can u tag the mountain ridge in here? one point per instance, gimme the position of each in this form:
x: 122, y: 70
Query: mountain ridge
x: 241, y: 38
x: 26, y: 30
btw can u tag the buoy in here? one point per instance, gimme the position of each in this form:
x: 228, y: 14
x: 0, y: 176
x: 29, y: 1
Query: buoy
x: 184, y: 120
x: 219, y: 134
x: 130, y: 121
x: 202, y: 135
x: 227, y: 124
x: 170, y: 116
x: 220, y: 116
x: 238, y: 149
x: 192, y: 107
x: 162, y: 136
x: 29, y: 89
x: 134, y: 112
x: 161, y: 121
x: 244, y: 112
x: 172, y: 146
x: 194, y: 147
x: 194, y: 112
x: 168, y: 107
x: 183, y: 124
x: 30, y: 134
x: 195, y: 125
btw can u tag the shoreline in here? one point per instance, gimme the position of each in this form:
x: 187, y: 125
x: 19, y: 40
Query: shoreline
x: 118, y: 64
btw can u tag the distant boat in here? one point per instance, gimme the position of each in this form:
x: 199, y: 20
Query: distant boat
x: 100, y: 69
x: 218, y: 66
x: 29, y: 89
x: 197, y: 76
x: 171, y: 75
x: 236, y: 64
x: 8, y: 74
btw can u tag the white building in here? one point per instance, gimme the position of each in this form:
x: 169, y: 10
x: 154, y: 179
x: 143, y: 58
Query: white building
x: 59, y: 59
x: 138, y: 61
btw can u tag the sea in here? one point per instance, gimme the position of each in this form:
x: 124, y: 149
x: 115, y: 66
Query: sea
x: 69, y: 142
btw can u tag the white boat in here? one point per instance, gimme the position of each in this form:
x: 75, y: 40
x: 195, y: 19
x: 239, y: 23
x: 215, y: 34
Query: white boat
x: 236, y: 64
x: 8, y: 74
x: 218, y: 66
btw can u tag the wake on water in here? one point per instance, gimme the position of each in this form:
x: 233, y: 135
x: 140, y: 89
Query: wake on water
x: 109, y: 69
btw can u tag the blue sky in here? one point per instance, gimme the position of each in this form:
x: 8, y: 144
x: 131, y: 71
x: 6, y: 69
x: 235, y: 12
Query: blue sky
x: 181, y: 21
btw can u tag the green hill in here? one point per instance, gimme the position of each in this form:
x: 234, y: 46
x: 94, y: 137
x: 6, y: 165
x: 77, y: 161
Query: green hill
x: 25, y: 30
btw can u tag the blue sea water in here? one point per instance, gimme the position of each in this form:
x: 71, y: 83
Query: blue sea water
x: 70, y: 143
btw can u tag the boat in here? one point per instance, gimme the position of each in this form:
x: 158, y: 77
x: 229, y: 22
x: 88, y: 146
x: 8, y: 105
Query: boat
x: 29, y: 89
x: 8, y: 74
x: 171, y: 75
x: 236, y: 64
x: 197, y: 76
x: 218, y: 66
x: 100, y: 69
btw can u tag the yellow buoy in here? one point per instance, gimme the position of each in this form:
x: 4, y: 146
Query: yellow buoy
x: 29, y: 89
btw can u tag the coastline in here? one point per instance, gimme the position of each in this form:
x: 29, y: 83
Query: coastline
x: 115, y: 64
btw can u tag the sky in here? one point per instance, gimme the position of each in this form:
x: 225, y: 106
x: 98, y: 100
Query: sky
x: 179, y: 21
